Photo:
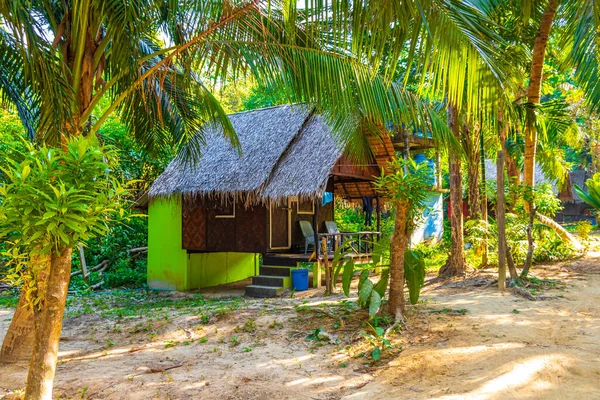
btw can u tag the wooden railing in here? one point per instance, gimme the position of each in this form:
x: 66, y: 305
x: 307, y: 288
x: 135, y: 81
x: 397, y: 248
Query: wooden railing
x: 359, y: 243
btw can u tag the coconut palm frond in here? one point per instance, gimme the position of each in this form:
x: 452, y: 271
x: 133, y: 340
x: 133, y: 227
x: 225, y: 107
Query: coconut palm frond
x: 580, y: 40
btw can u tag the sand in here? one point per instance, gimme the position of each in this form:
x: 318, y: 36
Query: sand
x: 502, y: 347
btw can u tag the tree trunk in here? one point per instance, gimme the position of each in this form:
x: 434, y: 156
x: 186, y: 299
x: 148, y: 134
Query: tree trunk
x: 529, y: 257
x: 18, y: 341
x: 560, y: 231
x: 484, y: 210
x: 501, y: 223
x: 455, y: 265
x: 511, y: 265
x: 534, y: 92
x: 472, y: 149
x: 399, y: 242
x: 47, y: 328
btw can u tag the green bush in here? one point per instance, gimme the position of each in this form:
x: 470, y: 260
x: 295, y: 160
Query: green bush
x: 583, y: 229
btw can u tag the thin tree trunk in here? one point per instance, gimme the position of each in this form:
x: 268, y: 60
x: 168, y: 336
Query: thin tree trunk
x: 559, y: 230
x: 47, y: 327
x: 84, y: 271
x: 18, y: 340
x: 529, y: 257
x: 484, y: 210
x: 501, y: 223
x: 534, y: 93
x: 456, y: 263
x: 396, y: 302
x: 511, y: 264
x: 472, y: 150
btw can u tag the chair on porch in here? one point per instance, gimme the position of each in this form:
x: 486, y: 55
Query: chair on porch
x: 332, y: 228
x: 308, y: 233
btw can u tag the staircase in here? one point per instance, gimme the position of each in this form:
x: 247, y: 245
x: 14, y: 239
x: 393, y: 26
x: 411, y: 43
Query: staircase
x: 274, y: 277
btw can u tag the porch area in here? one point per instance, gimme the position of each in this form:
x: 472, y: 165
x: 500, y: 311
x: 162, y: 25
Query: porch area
x: 276, y: 268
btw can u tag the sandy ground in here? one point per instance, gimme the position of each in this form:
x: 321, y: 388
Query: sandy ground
x: 501, y: 347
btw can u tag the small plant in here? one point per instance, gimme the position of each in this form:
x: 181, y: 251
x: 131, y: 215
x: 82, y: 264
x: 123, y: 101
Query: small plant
x: 276, y: 324
x: 234, y: 341
x: 110, y: 342
x: 315, y: 335
x: 377, y: 339
x: 171, y: 343
x: 583, y: 229
x: 249, y: 326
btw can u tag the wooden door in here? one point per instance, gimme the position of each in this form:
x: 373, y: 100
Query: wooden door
x: 280, y: 226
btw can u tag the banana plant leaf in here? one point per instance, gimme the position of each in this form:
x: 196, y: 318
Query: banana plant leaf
x: 592, y: 198
x: 414, y: 272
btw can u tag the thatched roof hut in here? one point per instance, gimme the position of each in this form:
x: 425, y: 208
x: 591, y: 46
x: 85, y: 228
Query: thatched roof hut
x: 540, y: 177
x: 285, y: 151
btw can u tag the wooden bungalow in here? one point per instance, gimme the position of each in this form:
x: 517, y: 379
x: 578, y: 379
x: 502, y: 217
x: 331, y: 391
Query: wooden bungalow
x: 210, y: 220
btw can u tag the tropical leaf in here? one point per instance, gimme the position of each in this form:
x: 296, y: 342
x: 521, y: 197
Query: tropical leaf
x: 347, y: 276
x: 592, y: 198
x: 374, y: 303
x: 414, y: 272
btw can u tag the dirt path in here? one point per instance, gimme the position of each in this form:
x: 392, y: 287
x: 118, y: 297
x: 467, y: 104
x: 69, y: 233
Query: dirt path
x: 505, y: 347
x: 501, y: 347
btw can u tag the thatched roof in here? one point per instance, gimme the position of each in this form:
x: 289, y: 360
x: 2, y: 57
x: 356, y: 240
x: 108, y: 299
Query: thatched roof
x: 539, y: 176
x: 286, y: 151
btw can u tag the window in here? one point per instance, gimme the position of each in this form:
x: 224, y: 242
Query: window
x: 221, y: 208
x: 225, y: 210
x: 305, y: 207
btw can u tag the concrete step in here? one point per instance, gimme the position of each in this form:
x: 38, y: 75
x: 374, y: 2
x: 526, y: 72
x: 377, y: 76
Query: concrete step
x: 280, y: 261
x: 270, y: 270
x: 263, y: 291
x: 266, y: 280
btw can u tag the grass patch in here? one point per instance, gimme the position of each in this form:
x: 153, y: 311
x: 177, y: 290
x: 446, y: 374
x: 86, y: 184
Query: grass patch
x: 149, y: 303
x: 9, y: 298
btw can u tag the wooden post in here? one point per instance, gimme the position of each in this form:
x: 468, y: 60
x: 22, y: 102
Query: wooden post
x: 328, y: 272
x: 500, y: 218
x: 315, y: 223
x: 84, y: 272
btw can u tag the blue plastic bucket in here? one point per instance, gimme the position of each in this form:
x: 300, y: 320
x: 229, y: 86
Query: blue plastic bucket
x: 300, y: 279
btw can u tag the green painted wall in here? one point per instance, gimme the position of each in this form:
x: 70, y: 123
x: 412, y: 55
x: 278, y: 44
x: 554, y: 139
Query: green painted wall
x: 212, y: 269
x: 170, y: 267
x: 167, y: 261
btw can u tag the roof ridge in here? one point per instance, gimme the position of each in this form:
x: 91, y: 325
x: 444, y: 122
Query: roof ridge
x: 266, y: 108
x: 309, y: 116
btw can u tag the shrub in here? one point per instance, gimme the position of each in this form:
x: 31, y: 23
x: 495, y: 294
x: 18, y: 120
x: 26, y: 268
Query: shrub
x: 583, y: 229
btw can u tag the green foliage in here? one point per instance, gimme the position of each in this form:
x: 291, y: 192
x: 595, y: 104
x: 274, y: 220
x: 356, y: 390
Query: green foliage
x: 9, y: 298
x: 349, y: 217
x: 583, y: 229
x: 405, y: 181
x: 592, y: 197
x: 12, y: 140
x: 376, y: 338
x: 370, y: 294
x: 414, y: 273
x: 124, y: 270
x: 315, y: 335
x: 56, y: 198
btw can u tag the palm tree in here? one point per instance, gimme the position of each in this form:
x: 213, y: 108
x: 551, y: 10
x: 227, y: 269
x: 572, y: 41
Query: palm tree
x: 59, y: 59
